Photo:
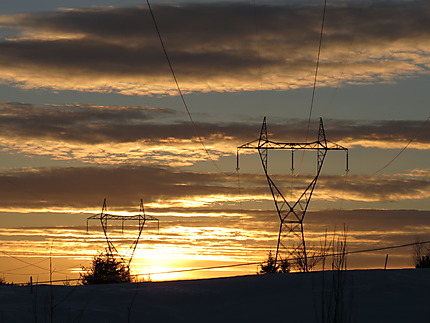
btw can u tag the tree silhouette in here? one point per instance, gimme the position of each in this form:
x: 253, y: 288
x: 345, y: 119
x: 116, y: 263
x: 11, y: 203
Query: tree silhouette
x: 105, y: 269
x: 421, y: 254
x: 270, y: 266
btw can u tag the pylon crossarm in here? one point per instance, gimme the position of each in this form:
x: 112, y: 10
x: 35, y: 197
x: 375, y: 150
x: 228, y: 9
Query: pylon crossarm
x: 150, y: 218
x: 334, y: 146
x: 268, y: 144
x: 291, y: 216
x: 95, y: 216
x: 123, y: 217
x: 104, y: 217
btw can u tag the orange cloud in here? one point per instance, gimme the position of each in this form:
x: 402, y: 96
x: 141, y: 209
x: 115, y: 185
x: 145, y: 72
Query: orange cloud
x: 112, y: 135
x: 170, y: 191
x: 80, y: 49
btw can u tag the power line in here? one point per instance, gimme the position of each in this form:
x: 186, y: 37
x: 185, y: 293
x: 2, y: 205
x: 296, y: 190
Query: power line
x: 18, y: 259
x: 23, y: 267
x: 180, y: 91
x: 315, y: 81
x: 256, y: 263
x: 290, y: 260
x: 404, y: 148
x: 386, y: 248
x: 316, y: 68
x: 202, y: 268
x: 29, y: 264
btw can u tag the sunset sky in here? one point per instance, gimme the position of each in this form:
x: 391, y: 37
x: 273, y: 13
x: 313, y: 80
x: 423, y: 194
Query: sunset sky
x: 90, y: 110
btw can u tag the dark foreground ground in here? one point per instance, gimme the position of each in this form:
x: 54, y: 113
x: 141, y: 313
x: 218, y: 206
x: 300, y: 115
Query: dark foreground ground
x: 364, y: 296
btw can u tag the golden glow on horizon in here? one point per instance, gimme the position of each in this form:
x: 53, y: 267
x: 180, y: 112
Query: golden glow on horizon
x: 175, y: 248
x: 153, y: 263
x: 204, y: 221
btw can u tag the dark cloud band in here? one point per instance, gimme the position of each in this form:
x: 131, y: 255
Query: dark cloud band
x: 217, y: 46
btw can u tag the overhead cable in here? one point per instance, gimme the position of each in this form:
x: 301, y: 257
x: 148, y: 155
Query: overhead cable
x: 179, y: 89
x: 404, y: 148
x: 25, y: 262
x: 315, y: 81
x: 316, y: 69
x: 254, y: 263
x: 290, y: 260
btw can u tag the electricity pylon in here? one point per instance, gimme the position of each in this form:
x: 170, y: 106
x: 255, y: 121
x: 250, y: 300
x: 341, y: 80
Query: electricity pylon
x: 291, y: 215
x: 141, y: 218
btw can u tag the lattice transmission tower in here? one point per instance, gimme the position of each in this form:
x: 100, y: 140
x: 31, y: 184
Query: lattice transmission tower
x: 140, y: 218
x: 291, y: 238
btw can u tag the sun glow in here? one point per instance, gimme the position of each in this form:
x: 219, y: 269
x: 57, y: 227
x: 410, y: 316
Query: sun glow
x: 158, y: 264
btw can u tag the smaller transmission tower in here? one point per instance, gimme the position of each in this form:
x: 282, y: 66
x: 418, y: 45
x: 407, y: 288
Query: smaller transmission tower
x: 140, y: 218
x: 291, y: 215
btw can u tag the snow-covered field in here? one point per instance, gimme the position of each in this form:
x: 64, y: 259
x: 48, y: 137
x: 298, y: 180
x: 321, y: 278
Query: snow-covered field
x: 368, y: 296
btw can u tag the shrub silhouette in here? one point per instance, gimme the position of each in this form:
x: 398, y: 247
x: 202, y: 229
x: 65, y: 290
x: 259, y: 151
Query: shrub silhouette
x: 421, y: 254
x: 284, y: 266
x: 105, y: 269
x: 423, y: 262
x: 270, y: 266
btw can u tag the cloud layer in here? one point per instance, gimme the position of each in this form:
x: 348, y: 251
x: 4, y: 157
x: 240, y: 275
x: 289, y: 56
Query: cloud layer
x: 215, y: 46
x: 172, y: 191
x: 145, y: 135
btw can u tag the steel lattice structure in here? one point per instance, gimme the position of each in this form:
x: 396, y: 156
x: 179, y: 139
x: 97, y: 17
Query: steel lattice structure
x: 291, y: 215
x: 104, y: 217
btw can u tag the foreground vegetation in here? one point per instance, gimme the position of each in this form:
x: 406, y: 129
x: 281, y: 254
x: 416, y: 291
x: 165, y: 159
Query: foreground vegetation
x: 106, y: 269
